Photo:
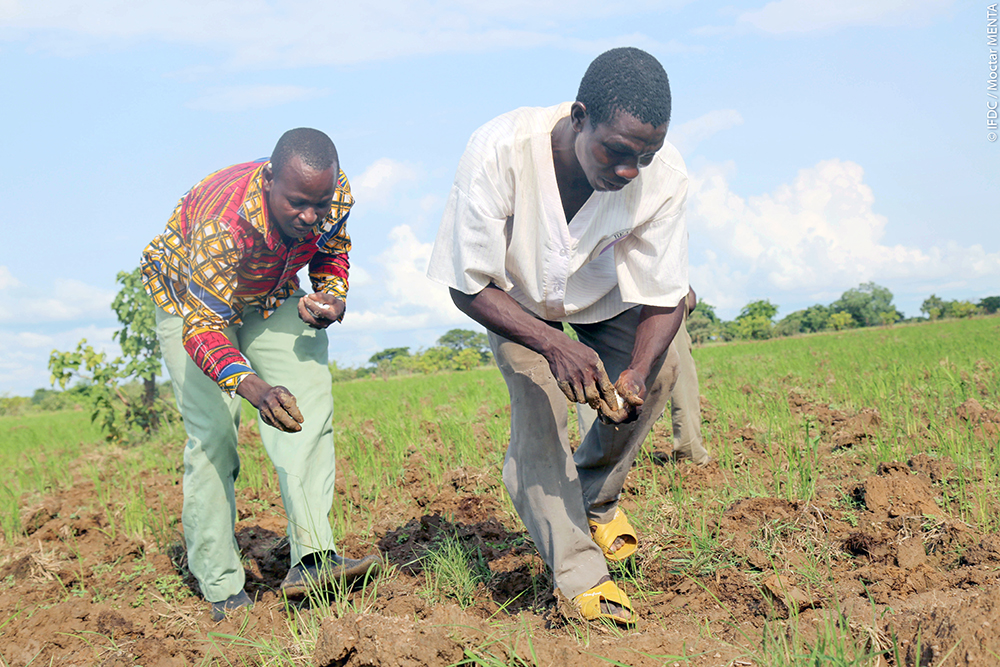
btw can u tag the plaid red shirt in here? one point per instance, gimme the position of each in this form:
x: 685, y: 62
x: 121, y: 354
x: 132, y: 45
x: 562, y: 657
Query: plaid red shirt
x: 220, y: 255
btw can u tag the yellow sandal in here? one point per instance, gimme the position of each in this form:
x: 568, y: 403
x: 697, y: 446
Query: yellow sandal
x: 589, y: 603
x: 605, y: 535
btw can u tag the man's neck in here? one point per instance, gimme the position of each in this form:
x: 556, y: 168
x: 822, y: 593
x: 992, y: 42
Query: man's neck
x: 574, y: 189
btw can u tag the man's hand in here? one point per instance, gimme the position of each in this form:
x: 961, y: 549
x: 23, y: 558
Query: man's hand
x: 632, y: 389
x: 320, y: 310
x: 581, y: 376
x: 578, y: 370
x: 276, y: 404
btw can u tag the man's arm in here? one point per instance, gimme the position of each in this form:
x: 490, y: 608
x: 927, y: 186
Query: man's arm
x: 656, y: 330
x: 577, y: 369
x: 209, y: 310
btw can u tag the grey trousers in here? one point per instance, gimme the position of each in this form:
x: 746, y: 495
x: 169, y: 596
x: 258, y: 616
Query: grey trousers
x: 554, y: 490
x: 685, y: 405
x: 284, y: 351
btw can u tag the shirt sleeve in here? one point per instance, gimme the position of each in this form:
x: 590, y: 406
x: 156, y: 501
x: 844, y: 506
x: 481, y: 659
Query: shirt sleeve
x: 470, y: 250
x: 329, y: 267
x: 652, y: 261
x: 212, y: 262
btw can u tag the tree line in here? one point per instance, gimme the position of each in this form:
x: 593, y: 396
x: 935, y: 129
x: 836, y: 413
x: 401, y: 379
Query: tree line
x: 124, y: 395
x: 867, y: 305
x: 457, y: 350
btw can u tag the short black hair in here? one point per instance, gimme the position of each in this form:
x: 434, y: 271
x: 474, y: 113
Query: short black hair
x: 313, y: 147
x: 626, y: 79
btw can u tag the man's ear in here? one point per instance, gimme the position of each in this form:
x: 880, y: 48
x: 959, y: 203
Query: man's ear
x: 268, y: 177
x: 578, y: 116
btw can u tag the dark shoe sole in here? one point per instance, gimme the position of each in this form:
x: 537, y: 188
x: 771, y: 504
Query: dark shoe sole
x: 347, y: 572
x: 219, y: 610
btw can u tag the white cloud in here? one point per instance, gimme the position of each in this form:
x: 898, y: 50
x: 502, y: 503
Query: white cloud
x: 817, y: 234
x: 256, y: 32
x: 797, y: 16
x: 686, y: 136
x: 24, y: 356
x: 7, y: 279
x: 380, y: 180
x: 230, y: 99
x: 66, y: 299
x: 412, y: 301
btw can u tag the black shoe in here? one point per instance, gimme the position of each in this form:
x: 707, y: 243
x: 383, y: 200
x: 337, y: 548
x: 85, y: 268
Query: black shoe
x: 322, y: 569
x: 233, y: 602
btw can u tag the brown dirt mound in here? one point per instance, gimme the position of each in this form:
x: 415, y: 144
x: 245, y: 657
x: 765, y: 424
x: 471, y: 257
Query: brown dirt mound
x: 987, y: 421
x: 948, y: 627
x: 884, y: 556
x: 894, y: 491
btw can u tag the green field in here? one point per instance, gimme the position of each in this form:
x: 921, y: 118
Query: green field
x: 796, y: 422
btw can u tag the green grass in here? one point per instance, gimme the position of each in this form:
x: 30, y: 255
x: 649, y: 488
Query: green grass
x: 37, y: 453
x: 915, y: 377
x: 454, y: 570
x: 450, y: 419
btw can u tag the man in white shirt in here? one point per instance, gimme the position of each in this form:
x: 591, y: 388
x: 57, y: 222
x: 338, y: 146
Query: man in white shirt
x: 575, y: 214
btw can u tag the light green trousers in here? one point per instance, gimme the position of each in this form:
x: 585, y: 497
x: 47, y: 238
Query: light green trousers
x: 284, y: 351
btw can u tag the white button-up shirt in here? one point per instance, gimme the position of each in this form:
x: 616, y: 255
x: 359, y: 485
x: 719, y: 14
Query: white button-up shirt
x: 504, y: 223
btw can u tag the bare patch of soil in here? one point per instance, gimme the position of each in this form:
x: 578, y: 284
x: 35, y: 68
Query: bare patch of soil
x: 898, y: 570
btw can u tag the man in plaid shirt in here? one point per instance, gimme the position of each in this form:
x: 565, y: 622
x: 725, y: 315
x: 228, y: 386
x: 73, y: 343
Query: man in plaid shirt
x: 232, y: 322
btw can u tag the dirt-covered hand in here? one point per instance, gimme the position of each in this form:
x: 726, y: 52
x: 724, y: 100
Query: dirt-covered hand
x: 580, y: 374
x: 632, y: 391
x: 320, y: 310
x: 278, y: 409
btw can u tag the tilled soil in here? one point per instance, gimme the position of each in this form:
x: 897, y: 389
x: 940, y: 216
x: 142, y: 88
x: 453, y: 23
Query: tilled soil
x: 900, y: 576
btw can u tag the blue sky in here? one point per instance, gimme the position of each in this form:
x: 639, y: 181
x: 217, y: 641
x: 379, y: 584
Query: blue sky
x: 828, y: 144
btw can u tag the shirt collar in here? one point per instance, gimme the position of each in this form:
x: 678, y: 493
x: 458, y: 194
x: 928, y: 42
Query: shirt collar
x: 254, y: 209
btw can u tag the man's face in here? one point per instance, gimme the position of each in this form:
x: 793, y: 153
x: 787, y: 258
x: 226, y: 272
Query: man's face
x: 612, y: 153
x: 299, y: 197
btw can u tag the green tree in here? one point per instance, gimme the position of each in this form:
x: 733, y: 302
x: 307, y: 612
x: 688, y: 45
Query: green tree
x: 463, y: 339
x: 466, y: 359
x: 754, y: 327
x: 866, y: 304
x: 755, y: 321
x: 841, y: 321
x: 990, y: 304
x: 933, y: 307
x: 810, y: 320
x: 763, y: 308
x: 890, y: 317
x: 790, y: 324
x: 816, y: 318
x: 390, y: 361
x: 434, y: 359
x: 104, y: 378
x: 706, y: 310
x: 389, y: 355
x: 703, y: 325
x: 137, y: 337
x: 338, y: 374
x: 962, y: 309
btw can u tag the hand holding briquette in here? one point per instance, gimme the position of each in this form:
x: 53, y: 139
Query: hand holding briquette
x: 626, y: 395
x: 319, y: 310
